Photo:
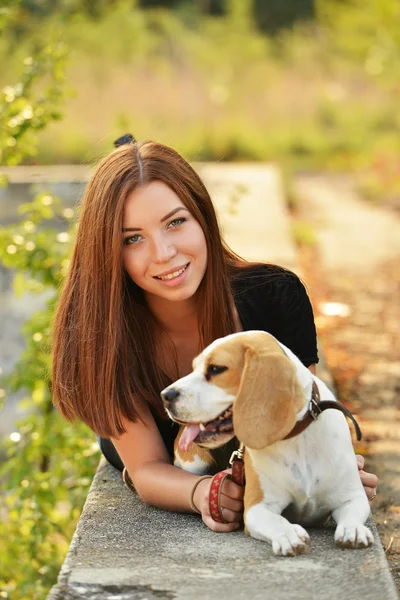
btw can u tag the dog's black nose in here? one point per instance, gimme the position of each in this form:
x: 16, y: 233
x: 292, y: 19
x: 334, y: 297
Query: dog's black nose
x: 169, y: 395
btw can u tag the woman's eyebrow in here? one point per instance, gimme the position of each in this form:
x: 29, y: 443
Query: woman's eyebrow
x: 170, y: 214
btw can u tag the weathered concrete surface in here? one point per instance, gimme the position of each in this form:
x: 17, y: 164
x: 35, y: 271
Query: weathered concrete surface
x: 47, y: 173
x: 353, y: 235
x: 124, y: 550
x: 252, y: 211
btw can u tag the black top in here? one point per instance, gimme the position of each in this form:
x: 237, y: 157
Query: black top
x: 272, y: 299
x: 275, y: 300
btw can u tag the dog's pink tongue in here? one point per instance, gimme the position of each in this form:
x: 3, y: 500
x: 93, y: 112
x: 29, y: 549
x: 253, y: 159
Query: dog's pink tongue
x: 188, y: 435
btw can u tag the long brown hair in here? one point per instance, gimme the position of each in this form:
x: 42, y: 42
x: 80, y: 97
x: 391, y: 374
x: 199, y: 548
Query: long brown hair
x: 103, y: 346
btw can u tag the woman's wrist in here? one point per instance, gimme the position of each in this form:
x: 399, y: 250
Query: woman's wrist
x: 197, y: 493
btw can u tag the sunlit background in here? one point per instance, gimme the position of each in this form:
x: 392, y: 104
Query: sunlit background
x: 313, y: 86
x: 314, y: 83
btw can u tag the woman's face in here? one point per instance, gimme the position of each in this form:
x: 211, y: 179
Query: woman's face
x: 165, y: 251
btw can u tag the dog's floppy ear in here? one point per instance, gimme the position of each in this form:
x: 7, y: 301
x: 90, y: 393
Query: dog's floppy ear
x: 268, y: 399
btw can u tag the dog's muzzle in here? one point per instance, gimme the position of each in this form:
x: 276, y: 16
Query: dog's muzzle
x: 169, y: 395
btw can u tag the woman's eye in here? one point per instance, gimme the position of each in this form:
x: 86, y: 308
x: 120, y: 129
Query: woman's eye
x: 176, y: 222
x: 132, y: 239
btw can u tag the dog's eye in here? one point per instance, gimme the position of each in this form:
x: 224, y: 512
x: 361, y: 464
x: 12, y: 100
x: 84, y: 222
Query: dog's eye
x: 214, y: 370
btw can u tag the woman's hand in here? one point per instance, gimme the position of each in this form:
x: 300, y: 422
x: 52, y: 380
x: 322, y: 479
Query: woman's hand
x: 369, y: 480
x: 231, y: 502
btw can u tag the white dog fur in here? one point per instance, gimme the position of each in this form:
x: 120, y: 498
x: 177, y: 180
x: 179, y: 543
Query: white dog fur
x: 304, y: 479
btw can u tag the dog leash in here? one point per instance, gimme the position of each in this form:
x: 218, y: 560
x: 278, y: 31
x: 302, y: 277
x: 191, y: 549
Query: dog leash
x: 237, y: 476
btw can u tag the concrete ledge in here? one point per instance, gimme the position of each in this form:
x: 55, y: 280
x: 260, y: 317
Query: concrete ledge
x: 126, y: 550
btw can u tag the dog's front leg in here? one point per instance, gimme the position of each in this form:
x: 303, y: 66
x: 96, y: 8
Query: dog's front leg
x: 350, y: 518
x: 287, y: 539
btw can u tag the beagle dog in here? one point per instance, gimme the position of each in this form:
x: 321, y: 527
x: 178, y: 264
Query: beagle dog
x: 251, y: 386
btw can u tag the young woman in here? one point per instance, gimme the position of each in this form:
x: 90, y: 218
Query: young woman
x: 151, y: 283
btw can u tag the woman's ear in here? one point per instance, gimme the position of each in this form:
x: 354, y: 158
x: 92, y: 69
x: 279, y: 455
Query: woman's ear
x: 268, y: 399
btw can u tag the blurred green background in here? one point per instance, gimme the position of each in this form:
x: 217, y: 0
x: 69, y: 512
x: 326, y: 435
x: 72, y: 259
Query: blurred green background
x: 312, y: 85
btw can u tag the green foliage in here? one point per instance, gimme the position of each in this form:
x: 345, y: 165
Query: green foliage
x: 274, y: 15
x: 48, y: 463
x: 367, y: 36
x: 303, y: 233
x: 31, y: 248
x: 270, y: 16
x: 31, y: 104
x: 367, y: 32
x: 315, y: 96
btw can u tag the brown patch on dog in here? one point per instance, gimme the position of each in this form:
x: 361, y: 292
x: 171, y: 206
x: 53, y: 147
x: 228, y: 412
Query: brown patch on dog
x: 194, y: 450
x: 230, y: 354
x: 253, y: 493
x: 268, y: 400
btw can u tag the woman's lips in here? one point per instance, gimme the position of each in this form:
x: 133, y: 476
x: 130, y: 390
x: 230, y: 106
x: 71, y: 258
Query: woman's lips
x: 175, y: 280
x: 169, y: 273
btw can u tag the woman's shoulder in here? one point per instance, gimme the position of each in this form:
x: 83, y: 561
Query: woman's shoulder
x: 273, y: 299
x: 259, y: 279
x: 267, y: 294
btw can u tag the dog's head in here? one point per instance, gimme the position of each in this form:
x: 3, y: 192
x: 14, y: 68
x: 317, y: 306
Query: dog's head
x: 243, y: 384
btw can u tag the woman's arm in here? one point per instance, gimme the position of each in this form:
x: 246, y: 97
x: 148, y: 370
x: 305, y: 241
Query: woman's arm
x: 160, y: 484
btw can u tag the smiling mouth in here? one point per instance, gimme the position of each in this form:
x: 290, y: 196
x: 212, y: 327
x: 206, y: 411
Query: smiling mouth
x: 172, y: 275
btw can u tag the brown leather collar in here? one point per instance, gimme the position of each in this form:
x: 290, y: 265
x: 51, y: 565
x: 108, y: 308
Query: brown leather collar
x: 315, y: 408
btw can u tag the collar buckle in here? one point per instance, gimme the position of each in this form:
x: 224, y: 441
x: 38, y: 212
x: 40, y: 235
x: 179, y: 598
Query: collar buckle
x: 314, y: 409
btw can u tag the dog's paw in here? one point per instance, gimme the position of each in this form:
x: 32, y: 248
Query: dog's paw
x: 353, y: 536
x: 291, y: 541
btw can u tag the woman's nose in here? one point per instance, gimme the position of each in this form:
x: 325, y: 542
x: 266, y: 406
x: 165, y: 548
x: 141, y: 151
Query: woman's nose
x: 163, y: 250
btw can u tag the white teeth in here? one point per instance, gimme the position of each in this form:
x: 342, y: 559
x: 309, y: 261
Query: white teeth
x: 202, y: 427
x: 172, y: 275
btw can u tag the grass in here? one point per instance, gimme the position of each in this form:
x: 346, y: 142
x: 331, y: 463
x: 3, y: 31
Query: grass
x: 219, y: 90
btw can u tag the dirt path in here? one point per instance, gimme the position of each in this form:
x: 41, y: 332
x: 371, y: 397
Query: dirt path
x: 355, y: 263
